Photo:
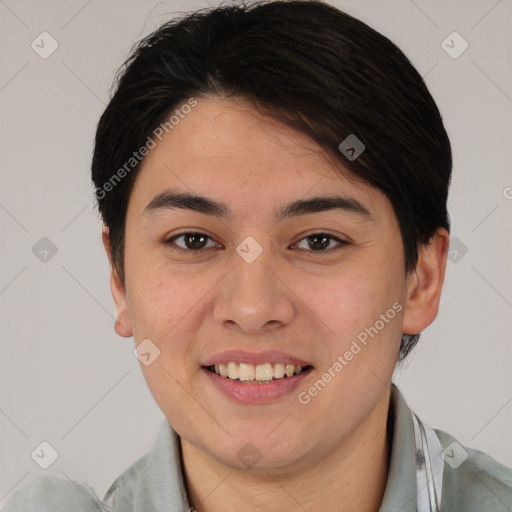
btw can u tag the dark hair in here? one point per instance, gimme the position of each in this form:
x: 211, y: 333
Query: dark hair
x: 306, y: 63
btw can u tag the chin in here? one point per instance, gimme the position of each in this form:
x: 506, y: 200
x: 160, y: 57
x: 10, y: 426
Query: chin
x: 261, y: 450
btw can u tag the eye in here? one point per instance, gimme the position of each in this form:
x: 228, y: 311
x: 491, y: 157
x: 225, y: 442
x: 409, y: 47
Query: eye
x: 195, y: 242
x: 319, y: 242
x: 192, y: 242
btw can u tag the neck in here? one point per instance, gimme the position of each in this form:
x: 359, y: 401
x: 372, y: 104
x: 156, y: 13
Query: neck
x: 352, y: 477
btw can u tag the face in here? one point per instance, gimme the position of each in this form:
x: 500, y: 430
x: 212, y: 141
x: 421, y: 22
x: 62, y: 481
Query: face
x: 258, y: 272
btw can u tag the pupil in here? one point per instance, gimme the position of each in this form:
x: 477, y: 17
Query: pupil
x: 192, y: 241
x: 324, y: 242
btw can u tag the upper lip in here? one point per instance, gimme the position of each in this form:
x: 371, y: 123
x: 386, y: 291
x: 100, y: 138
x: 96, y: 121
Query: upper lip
x: 255, y: 358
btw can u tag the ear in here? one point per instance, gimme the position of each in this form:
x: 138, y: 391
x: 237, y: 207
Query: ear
x: 425, y: 283
x: 123, y: 326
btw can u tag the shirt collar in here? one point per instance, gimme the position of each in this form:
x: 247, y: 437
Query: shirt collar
x: 160, y: 481
x: 400, y: 492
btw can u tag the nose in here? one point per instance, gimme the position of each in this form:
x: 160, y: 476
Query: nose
x: 253, y: 297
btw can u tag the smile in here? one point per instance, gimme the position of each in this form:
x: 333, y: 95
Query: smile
x: 256, y: 374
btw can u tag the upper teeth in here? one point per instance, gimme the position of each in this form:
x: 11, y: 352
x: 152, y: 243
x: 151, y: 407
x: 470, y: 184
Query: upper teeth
x: 260, y: 372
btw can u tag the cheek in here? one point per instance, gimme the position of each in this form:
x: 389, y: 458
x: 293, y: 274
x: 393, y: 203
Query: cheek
x: 164, y: 307
x: 158, y: 296
x: 163, y: 310
x: 363, y: 310
x: 348, y: 301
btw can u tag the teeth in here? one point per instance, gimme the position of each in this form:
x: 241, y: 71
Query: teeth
x: 263, y: 372
x: 223, y: 370
x: 233, y: 371
x: 245, y: 372
x: 279, y: 370
x: 256, y: 373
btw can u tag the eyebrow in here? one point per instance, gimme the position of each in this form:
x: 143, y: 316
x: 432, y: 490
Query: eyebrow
x: 172, y: 200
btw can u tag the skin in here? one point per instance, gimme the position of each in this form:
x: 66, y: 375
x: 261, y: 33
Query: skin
x: 331, y: 454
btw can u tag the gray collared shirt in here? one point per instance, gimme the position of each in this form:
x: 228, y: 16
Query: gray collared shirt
x: 155, y: 482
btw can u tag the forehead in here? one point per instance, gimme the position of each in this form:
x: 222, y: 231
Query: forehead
x: 226, y: 148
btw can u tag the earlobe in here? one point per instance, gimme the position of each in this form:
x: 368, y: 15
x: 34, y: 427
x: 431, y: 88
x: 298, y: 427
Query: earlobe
x: 425, y: 283
x: 121, y: 330
x: 122, y: 325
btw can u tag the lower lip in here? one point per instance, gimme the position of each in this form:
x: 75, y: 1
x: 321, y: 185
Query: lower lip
x: 256, y: 393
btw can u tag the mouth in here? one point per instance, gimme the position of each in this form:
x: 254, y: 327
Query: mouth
x: 252, y: 378
x: 265, y: 373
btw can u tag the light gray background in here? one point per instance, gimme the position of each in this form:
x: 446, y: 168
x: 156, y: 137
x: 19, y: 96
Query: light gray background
x: 68, y: 379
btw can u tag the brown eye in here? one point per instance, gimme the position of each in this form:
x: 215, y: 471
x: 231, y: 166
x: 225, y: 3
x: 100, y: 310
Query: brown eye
x: 191, y: 242
x: 319, y: 242
x: 195, y: 240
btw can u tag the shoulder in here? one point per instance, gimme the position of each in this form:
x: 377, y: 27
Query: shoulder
x: 52, y: 494
x: 155, y: 478
x: 472, y: 479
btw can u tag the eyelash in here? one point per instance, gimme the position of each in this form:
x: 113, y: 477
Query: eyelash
x: 170, y: 242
